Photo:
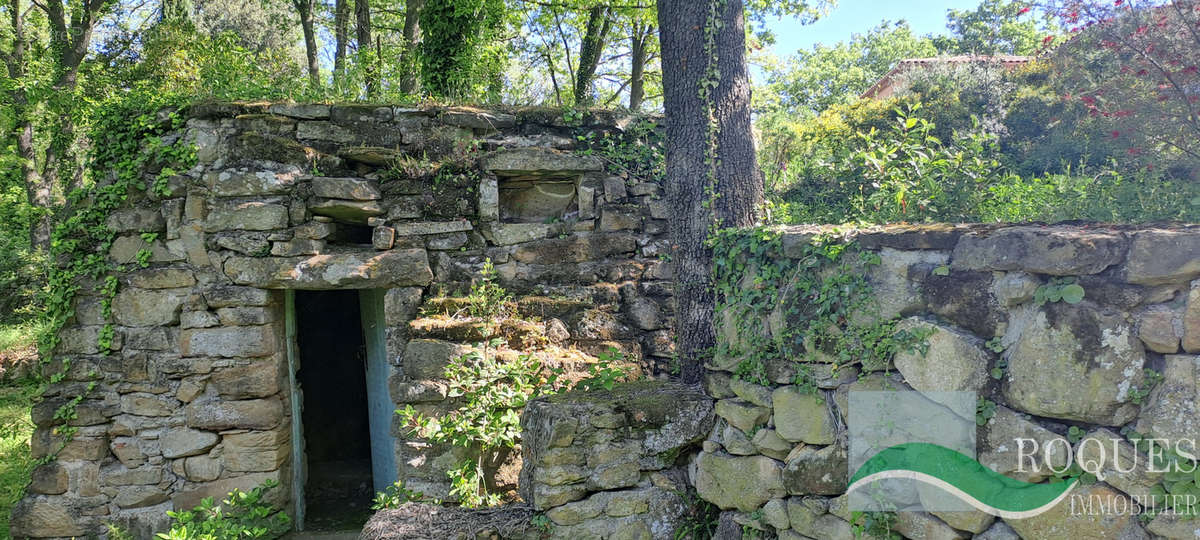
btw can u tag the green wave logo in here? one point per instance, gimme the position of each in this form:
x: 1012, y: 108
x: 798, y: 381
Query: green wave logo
x: 963, y: 477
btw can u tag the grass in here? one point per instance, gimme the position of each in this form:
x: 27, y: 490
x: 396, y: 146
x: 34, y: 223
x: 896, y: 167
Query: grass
x: 16, y: 398
x: 20, y: 335
x: 15, y: 462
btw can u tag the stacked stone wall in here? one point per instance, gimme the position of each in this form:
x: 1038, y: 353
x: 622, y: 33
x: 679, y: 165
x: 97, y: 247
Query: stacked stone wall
x: 194, y: 399
x: 776, y: 460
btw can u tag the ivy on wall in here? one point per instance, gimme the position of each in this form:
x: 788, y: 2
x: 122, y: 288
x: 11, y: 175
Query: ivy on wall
x: 814, y: 307
x: 128, y: 154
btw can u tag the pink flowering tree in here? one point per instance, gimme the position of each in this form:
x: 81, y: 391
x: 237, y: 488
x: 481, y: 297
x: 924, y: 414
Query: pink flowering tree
x: 1133, y: 65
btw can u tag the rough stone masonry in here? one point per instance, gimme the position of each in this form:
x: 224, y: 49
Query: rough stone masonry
x: 195, y: 399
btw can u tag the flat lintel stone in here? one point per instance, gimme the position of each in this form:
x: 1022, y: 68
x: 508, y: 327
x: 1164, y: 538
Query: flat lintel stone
x: 360, y: 270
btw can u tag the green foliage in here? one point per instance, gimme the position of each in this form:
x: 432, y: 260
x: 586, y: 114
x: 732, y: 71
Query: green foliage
x: 542, y: 524
x: 16, y: 464
x: 129, y: 148
x: 819, y: 299
x: 607, y: 372
x: 985, y: 409
x: 814, y: 80
x: 241, y: 515
x: 638, y: 151
x: 1150, y: 379
x: 701, y: 519
x: 488, y: 301
x: 1180, y: 482
x: 874, y: 525
x: 997, y: 27
x: 394, y: 496
x: 460, y: 52
x: 1059, y: 289
x: 1075, y: 434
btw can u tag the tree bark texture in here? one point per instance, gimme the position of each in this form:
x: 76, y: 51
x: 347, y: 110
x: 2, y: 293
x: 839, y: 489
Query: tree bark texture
x: 362, y: 14
x: 704, y: 191
x: 304, y: 8
x: 591, y: 47
x: 341, y: 36
x: 412, y: 33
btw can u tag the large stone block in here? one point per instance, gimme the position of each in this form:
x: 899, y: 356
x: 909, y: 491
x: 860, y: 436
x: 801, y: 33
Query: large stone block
x: 182, y: 442
x: 1159, y: 256
x: 813, y: 470
x: 136, y: 220
x: 576, y: 248
x: 1172, y: 411
x: 228, y: 341
x: 1080, y: 517
x: 248, y: 414
x: 539, y: 161
x: 1060, y: 251
x: 162, y: 278
x: 1076, y: 362
x: 428, y: 358
x: 242, y: 182
x: 744, y: 482
x: 1191, y: 319
x: 953, y: 362
x: 146, y: 307
x: 803, y: 416
x: 191, y: 496
x: 354, y: 189
x: 1000, y: 449
x: 362, y: 270
x: 259, y: 379
x: 246, y: 216
x: 43, y: 518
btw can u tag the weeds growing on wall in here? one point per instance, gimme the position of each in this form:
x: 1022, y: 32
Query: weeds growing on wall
x: 491, y: 390
x: 811, y: 307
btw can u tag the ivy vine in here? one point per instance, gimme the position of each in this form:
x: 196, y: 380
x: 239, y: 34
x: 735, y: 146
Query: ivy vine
x: 813, y: 308
x: 128, y: 152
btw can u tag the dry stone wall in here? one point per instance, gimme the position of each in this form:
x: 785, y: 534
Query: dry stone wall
x: 194, y: 399
x: 776, y: 459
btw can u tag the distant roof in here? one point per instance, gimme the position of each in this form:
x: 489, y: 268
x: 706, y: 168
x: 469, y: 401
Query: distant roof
x: 884, y: 83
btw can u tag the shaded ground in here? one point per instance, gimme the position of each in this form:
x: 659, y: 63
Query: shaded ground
x: 15, y: 462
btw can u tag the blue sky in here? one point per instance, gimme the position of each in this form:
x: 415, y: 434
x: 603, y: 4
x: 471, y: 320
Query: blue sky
x: 857, y: 16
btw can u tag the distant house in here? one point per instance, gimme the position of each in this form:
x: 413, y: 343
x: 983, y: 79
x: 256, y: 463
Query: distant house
x: 888, y: 85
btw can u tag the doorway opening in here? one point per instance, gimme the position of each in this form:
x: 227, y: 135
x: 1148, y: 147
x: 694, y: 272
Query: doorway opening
x: 330, y: 363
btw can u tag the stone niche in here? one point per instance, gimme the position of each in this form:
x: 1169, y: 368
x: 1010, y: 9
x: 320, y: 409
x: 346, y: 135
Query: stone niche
x: 298, y: 225
x: 538, y: 200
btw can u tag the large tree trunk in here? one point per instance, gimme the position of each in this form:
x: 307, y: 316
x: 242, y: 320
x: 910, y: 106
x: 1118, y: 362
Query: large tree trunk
x: 37, y: 193
x: 362, y: 15
x: 412, y: 33
x: 304, y: 8
x: 341, y: 35
x: 704, y: 122
x: 637, y: 64
x: 591, y: 47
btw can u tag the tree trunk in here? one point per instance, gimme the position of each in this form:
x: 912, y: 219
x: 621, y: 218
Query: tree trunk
x: 304, y: 8
x: 591, y: 47
x: 704, y: 191
x: 362, y: 14
x: 176, y: 10
x: 341, y: 35
x: 637, y: 64
x: 412, y: 33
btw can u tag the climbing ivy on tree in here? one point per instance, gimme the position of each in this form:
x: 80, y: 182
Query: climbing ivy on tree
x: 460, y: 53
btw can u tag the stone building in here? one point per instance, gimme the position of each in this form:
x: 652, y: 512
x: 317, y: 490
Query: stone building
x: 305, y: 279
x: 301, y: 285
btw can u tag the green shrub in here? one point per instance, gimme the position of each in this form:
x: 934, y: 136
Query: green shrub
x: 242, y: 515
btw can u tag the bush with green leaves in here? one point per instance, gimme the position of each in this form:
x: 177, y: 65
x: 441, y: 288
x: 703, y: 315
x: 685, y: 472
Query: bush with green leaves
x: 241, y: 515
x: 491, y: 390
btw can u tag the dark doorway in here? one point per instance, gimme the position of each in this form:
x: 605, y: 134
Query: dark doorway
x: 333, y: 381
